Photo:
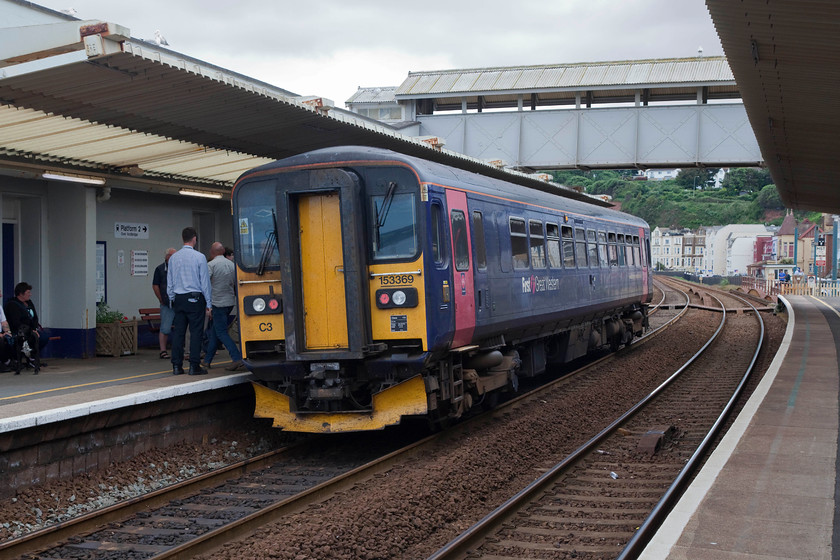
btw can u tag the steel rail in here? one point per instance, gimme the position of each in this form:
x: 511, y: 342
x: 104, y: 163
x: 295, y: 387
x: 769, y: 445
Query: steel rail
x: 459, y: 546
x: 675, y: 490
x: 655, y: 308
x: 243, y: 527
x: 89, y: 522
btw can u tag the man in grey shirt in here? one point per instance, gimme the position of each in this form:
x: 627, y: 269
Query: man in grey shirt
x: 222, y: 282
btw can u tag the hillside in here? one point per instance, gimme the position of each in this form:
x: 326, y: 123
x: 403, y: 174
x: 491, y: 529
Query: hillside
x: 744, y: 196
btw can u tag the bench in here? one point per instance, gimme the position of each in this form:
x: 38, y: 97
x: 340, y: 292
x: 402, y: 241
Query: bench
x: 152, y: 317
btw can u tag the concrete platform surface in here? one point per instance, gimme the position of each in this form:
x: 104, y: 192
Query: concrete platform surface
x: 769, y: 490
x: 68, y: 388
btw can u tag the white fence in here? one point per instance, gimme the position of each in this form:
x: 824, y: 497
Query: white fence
x: 809, y: 286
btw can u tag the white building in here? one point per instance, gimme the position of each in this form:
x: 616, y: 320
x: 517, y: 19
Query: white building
x: 730, y: 248
x: 377, y: 103
x: 681, y: 250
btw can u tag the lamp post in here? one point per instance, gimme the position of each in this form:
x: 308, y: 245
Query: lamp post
x: 834, y: 251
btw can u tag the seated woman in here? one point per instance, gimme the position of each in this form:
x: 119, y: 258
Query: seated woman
x: 23, y: 321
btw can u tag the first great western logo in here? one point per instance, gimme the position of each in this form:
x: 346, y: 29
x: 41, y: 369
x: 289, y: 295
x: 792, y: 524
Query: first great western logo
x: 536, y: 284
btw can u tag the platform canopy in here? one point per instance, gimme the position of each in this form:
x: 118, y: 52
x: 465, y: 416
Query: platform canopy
x: 142, y: 116
x: 785, y: 57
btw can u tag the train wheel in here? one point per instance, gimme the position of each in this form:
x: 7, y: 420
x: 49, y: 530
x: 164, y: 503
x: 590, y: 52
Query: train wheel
x: 491, y: 400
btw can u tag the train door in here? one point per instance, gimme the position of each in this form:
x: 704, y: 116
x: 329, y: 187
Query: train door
x: 645, y: 264
x: 482, y: 288
x: 322, y: 266
x: 463, y: 291
x: 322, y: 278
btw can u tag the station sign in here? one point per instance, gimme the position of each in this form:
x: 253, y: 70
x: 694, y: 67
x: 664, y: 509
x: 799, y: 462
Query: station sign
x: 123, y: 230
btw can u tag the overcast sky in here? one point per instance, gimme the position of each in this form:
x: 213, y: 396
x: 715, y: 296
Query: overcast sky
x: 331, y: 47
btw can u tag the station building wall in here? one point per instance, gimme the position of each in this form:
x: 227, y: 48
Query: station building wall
x: 51, y: 234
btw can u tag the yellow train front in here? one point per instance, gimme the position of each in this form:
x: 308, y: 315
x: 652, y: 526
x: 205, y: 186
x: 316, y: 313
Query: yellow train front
x: 364, y: 296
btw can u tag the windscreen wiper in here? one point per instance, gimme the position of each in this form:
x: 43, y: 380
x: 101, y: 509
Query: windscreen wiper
x: 386, y: 205
x: 268, y: 248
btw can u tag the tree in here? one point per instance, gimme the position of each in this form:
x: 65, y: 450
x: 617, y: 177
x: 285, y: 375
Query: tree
x: 769, y: 199
x: 746, y: 180
x: 697, y: 178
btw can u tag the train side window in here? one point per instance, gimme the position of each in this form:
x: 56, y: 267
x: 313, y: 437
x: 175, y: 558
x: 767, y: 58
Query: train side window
x: 552, y: 239
x: 580, y: 246
x: 518, y: 243
x: 602, y: 248
x: 621, y: 261
x: 647, y: 252
x: 535, y: 229
x: 636, y: 252
x: 568, y: 247
x: 478, y: 241
x: 438, y: 236
x: 592, y: 247
x: 612, y: 250
x: 459, y: 240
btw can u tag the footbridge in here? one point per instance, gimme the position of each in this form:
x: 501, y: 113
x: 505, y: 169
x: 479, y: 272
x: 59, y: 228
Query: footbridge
x: 662, y: 113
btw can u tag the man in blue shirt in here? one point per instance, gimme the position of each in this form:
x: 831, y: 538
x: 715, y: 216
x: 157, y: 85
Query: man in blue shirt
x: 188, y: 288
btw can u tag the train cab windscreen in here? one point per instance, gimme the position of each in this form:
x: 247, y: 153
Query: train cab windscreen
x: 256, y: 225
x: 394, y: 223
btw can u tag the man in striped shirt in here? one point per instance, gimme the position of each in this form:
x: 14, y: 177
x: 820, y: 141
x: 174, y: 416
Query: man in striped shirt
x: 188, y: 287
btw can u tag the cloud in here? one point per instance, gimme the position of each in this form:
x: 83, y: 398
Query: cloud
x: 331, y: 47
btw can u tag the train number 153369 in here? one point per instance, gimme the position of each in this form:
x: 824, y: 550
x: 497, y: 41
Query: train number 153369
x: 396, y: 279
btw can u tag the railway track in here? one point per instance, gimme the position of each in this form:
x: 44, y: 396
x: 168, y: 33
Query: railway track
x: 184, y: 519
x: 184, y: 527
x: 607, y: 498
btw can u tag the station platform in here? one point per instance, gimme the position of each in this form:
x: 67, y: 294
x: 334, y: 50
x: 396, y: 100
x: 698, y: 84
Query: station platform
x: 769, y: 491
x: 71, y: 388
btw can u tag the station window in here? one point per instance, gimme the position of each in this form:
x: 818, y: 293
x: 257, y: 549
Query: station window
x: 592, y: 248
x: 568, y: 247
x: 478, y: 241
x: 602, y: 248
x: 518, y: 243
x: 460, y: 243
x: 535, y: 229
x: 552, y: 239
x: 580, y: 246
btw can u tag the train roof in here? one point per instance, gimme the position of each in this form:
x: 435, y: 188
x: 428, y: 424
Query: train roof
x: 433, y: 172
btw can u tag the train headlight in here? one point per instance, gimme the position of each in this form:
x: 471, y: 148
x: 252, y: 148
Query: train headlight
x: 389, y: 298
x: 265, y: 304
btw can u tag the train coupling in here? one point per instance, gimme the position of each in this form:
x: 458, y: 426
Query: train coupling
x: 325, y: 382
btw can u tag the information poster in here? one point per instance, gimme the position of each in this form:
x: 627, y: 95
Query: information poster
x: 139, y: 263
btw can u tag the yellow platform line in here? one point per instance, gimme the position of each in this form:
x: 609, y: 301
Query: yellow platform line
x: 88, y: 384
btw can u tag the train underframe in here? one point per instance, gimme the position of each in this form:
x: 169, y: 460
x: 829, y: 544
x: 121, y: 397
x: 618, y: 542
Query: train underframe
x: 404, y: 381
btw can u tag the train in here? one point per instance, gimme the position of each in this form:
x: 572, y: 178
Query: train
x: 375, y: 287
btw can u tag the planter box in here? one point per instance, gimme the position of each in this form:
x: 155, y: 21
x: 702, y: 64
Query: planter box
x: 116, y: 339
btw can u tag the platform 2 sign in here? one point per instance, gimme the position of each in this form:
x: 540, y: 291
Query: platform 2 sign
x: 123, y: 230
